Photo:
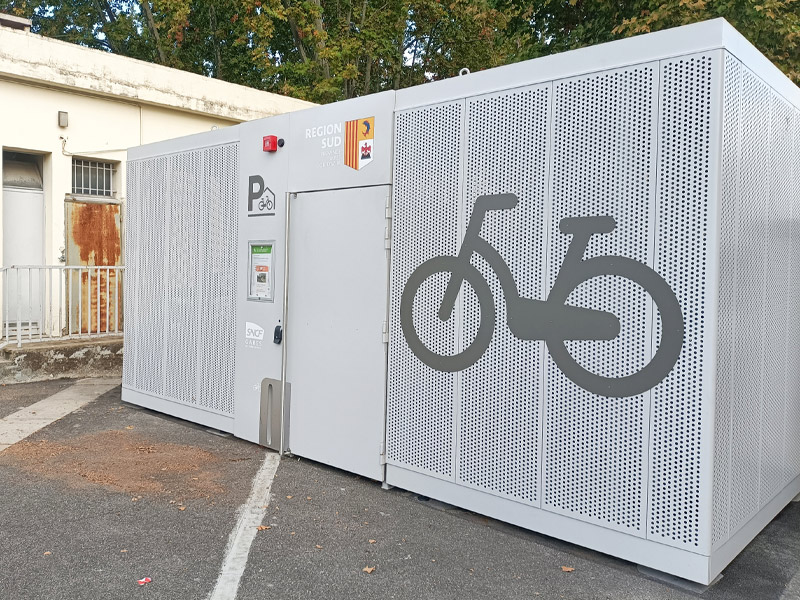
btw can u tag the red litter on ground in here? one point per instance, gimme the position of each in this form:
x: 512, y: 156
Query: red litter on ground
x: 143, y: 581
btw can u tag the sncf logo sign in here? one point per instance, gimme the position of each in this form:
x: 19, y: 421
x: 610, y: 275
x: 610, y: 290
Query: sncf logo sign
x: 260, y: 199
x: 253, y: 335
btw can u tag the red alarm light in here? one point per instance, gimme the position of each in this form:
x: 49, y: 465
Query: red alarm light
x: 270, y: 143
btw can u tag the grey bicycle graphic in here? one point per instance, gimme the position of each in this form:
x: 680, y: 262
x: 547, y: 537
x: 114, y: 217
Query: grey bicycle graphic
x: 551, y: 320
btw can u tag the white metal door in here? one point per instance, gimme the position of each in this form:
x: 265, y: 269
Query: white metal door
x: 336, y: 357
x: 23, y: 244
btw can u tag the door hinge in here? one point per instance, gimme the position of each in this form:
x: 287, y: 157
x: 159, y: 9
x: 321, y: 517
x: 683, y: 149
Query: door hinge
x: 383, y: 453
x: 388, y: 206
x: 387, y: 237
x: 385, y: 332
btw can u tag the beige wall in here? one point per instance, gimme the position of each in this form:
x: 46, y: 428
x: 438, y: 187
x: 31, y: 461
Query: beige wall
x: 33, y: 58
x: 99, y: 128
x: 114, y: 102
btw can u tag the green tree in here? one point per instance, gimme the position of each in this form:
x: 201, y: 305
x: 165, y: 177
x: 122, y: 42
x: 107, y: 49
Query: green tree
x: 772, y: 26
x: 328, y: 50
x: 549, y: 26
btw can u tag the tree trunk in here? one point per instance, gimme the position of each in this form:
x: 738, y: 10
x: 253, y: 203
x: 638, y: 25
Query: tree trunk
x: 367, y: 74
x: 151, y: 25
x: 295, y: 33
x: 110, y: 18
x: 319, y: 26
x: 367, y: 57
x: 212, y: 17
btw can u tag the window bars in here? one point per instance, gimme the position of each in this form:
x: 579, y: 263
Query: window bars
x: 92, y: 178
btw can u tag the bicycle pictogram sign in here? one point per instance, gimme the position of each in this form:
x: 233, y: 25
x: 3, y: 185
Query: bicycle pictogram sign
x: 551, y: 320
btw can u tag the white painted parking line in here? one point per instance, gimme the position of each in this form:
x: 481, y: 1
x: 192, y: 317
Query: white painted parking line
x: 19, y: 425
x: 251, y: 513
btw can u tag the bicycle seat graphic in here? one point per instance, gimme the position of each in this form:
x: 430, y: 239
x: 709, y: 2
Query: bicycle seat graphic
x: 551, y: 320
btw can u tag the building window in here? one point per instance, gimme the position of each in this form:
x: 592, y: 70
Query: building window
x: 92, y: 178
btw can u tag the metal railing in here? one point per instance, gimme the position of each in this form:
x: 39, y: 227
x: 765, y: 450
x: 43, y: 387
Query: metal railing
x: 44, y: 302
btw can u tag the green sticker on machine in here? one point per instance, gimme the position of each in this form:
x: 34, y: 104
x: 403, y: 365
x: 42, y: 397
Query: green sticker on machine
x: 261, y: 276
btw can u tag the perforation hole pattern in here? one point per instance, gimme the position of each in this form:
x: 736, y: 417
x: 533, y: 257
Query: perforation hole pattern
x: 777, y: 240
x: 750, y: 323
x: 500, y: 395
x: 681, y: 259
x: 180, y: 302
x: 216, y: 315
x: 133, y: 190
x: 726, y: 312
x: 425, y: 206
x: 757, y: 420
x: 793, y: 327
x: 144, y: 322
x: 181, y: 298
x: 604, y: 129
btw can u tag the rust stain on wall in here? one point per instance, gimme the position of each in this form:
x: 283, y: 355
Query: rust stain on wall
x: 95, y: 240
x: 95, y: 232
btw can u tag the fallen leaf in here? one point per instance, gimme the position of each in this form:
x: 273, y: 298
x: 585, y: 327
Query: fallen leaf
x: 263, y: 527
x: 292, y: 533
x: 308, y: 497
x: 368, y: 569
x: 129, y: 427
x: 568, y: 569
x: 123, y: 550
x: 288, y: 497
x: 47, y: 553
x: 181, y: 508
x: 372, y: 541
x: 318, y: 547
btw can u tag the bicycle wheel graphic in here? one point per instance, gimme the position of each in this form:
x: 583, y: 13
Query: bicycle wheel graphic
x: 466, y: 272
x: 672, y: 331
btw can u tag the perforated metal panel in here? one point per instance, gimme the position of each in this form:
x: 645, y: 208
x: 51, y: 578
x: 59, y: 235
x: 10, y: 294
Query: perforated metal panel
x: 604, y: 130
x: 216, y: 314
x: 750, y: 305
x: 180, y: 310
x: 133, y: 189
x: 793, y: 329
x: 777, y: 239
x: 792, y: 466
x: 757, y: 422
x: 181, y: 266
x: 682, y: 242
x: 425, y: 209
x: 144, y: 321
x: 696, y: 161
x: 500, y: 396
x: 727, y: 313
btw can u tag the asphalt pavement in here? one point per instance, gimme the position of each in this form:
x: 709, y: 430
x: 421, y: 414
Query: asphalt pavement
x: 111, y: 494
x: 16, y: 396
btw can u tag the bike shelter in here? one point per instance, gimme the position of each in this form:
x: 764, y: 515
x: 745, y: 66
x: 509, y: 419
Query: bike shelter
x: 561, y: 293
